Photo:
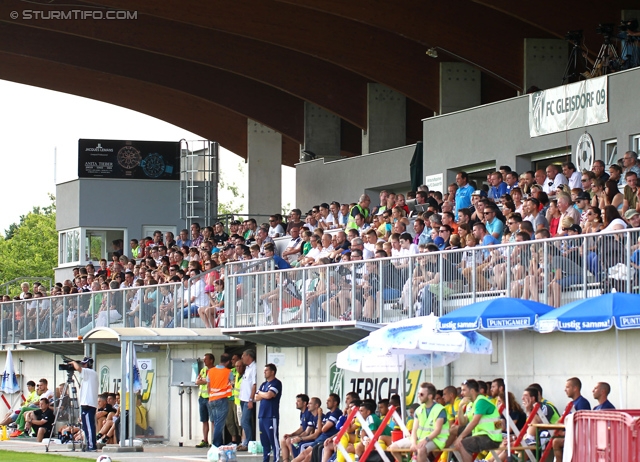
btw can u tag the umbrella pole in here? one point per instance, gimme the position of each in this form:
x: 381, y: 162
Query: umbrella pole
x: 619, y: 371
x: 403, y: 401
x: 506, y: 391
x: 432, y: 367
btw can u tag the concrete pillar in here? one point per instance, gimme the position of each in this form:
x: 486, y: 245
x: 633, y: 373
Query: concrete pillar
x: 321, y: 131
x: 264, y: 148
x: 386, y: 119
x: 545, y: 61
x: 459, y: 87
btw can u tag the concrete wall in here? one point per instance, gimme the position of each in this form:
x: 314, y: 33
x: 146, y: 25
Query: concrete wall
x: 500, y: 131
x: 101, y: 203
x: 68, y: 205
x: 345, y: 180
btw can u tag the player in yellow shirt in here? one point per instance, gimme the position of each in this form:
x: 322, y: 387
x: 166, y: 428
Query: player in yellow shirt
x: 452, y: 403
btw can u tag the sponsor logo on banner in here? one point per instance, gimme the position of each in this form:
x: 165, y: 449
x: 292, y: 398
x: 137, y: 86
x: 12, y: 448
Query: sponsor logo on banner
x: 629, y: 321
x: 138, y: 160
x: 147, y: 376
x: 452, y: 325
x: 336, y: 380
x: 585, y: 153
x: 570, y: 106
x: 373, y: 386
x: 508, y: 323
x: 98, y: 148
x: 104, y: 379
x: 584, y: 325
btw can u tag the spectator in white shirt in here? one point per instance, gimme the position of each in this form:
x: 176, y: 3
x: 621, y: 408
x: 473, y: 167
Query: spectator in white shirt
x: 294, y: 247
x: 358, y: 244
x: 326, y: 219
x: 197, y: 296
x: 407, y: 247
x: 327, y: 248
x: 572, y: 175
x: 311, y: 256
x: 554, y: 179
x: 275, y: 227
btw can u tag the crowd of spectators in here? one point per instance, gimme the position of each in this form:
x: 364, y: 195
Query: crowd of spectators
x: 509, y: 208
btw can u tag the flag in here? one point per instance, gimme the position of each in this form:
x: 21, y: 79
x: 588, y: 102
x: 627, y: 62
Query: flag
x: 137, y: 384
x: 9, y: 378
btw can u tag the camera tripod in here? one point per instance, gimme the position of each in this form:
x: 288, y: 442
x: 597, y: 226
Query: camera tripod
x: 72, y: 408
x: 571, y: 70
x: 607, y: 60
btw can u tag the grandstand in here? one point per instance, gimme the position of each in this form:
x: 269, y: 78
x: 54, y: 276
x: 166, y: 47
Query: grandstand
x: 529, y: 196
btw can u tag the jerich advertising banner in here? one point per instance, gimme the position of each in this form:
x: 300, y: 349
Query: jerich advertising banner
x: 570, y: 106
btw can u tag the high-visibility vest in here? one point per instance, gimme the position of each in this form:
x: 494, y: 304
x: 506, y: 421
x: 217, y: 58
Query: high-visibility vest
x: 32, y: 398
x: 490, y: 425
x: 136, y: 252
x: 351, y: 221
x: 204, y: 388
x: 236, y: 389
x: 468, y: 411
x: 427, y: 424
x: 219, y: 385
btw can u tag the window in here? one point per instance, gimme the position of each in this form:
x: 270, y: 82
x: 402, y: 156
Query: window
x: 95, y: 245
x: 81, y: 245
x: 635, y: 143
x: 69, y: 246
x: 610, y: 151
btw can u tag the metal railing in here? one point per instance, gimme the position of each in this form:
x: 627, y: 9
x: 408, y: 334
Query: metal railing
x: 553, y: 271
x: 73, y: 315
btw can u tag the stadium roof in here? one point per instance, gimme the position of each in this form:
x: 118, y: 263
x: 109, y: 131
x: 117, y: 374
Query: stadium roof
x: 207, y: 66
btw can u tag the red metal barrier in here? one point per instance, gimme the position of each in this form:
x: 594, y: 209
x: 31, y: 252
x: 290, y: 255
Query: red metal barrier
x: 346, y: 425
x: 549, y: 447
x: 606, y: 436
x: 377, y: 434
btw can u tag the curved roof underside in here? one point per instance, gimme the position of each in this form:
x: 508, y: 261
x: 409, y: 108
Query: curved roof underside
x: 208, y: 65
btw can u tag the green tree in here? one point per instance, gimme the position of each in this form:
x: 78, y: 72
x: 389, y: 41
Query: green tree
x: 229, y: 207
x: 30, y: 247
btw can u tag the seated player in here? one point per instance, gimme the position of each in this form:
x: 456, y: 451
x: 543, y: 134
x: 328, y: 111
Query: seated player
x: 39, y: 423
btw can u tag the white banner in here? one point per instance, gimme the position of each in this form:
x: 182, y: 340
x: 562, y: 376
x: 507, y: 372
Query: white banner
x: 571, y: 106
x: 435, y: 182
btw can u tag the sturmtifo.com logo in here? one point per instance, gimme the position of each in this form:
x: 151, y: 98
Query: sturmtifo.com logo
x: 75, y: 14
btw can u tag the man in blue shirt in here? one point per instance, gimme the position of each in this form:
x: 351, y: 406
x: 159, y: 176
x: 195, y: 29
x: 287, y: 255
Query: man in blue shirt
x: 329, y: 428
x: 307, y: 420
x: 483, y: 237
x: 493, y: 224
x: 270, y: 252
x: 573, y: 389
x: 580, y: 403
x: 463, y: 194
x: 498, y: 187
x: 601, y: 394
x: 269, y: 395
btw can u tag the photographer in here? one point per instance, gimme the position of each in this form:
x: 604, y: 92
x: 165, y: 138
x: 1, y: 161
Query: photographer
x: 88, y: 399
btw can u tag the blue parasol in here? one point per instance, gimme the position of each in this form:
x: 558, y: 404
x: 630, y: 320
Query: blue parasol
x: 597, y: 314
